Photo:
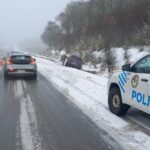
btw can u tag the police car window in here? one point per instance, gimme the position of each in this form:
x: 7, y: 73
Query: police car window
x: 142, y: 66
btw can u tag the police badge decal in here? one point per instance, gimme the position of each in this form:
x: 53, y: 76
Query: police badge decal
x: 134, y: 81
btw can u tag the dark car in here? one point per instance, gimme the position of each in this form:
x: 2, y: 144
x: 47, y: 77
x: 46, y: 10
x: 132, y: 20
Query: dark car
x: 20, y: 65
x: 73, y: 61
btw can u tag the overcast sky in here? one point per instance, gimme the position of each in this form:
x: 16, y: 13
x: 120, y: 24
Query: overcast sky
x: 22, y: 19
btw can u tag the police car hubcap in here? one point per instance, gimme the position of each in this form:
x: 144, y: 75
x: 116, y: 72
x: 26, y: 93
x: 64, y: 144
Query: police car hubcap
x: 116, y: 101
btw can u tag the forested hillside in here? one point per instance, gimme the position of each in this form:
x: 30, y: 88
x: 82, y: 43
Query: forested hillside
x: 86, y: 26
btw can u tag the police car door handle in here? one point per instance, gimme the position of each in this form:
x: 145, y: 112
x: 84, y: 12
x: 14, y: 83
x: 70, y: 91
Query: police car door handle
x: 144, y: 80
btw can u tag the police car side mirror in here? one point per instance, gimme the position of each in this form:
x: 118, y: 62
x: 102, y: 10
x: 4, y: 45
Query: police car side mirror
x: 126, y: 67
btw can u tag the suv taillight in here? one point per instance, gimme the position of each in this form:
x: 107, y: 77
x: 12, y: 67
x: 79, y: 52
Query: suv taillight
x: 33, y: 61
x: 8, y: 61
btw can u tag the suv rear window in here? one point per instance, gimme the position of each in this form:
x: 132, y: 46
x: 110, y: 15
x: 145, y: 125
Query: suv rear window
x: 20, y: 59
x: 76, y: 58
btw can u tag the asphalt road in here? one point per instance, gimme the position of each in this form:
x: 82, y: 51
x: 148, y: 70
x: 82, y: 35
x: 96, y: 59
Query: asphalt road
x: 34, y: 115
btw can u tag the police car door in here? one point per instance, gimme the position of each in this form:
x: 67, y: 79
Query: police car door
x: 138, y: 84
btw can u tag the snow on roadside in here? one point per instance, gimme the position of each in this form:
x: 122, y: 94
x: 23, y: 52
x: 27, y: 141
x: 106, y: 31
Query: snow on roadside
x: 133, y: 54
x: 89, y: 93
x: 119, y: 52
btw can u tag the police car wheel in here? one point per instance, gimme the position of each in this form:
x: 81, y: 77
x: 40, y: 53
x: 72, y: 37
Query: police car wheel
x: 115, y: 103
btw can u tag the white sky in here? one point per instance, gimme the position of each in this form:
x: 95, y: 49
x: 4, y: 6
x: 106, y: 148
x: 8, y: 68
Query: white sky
x: 22, y: 19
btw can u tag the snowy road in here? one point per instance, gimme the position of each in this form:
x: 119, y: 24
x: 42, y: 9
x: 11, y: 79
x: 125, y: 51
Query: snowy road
x: 36, y: 116
x: 65, y: 109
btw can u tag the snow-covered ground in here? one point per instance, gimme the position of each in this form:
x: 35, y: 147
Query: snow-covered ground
x: 89, y: 93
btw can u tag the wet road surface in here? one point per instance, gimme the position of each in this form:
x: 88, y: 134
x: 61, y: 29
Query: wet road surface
x: 34, y: 115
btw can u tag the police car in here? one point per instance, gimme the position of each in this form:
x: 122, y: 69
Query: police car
x: 130, y: 86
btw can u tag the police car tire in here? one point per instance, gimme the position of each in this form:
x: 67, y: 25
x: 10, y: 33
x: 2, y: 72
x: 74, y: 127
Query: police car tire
x: 123, y: 108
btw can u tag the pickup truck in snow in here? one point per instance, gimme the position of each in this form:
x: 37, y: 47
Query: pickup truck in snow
x: 130, y: 86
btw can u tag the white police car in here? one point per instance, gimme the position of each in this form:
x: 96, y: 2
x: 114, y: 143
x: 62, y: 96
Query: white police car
x: 130, y: 87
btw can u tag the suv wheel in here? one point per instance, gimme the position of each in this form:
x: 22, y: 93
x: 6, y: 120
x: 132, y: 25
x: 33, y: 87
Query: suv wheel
x: 6, y: 75
x: 115, y: 102
x: 34, y: 76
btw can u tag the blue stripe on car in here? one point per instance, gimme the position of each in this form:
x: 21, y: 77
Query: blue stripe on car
x: 123, y: 83
x: 121, y: 87
x: 124, y: 73
x: 123, y: 77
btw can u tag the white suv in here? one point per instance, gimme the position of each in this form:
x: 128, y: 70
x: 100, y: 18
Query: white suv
x: 130, y: 87
x: 20, y: 65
